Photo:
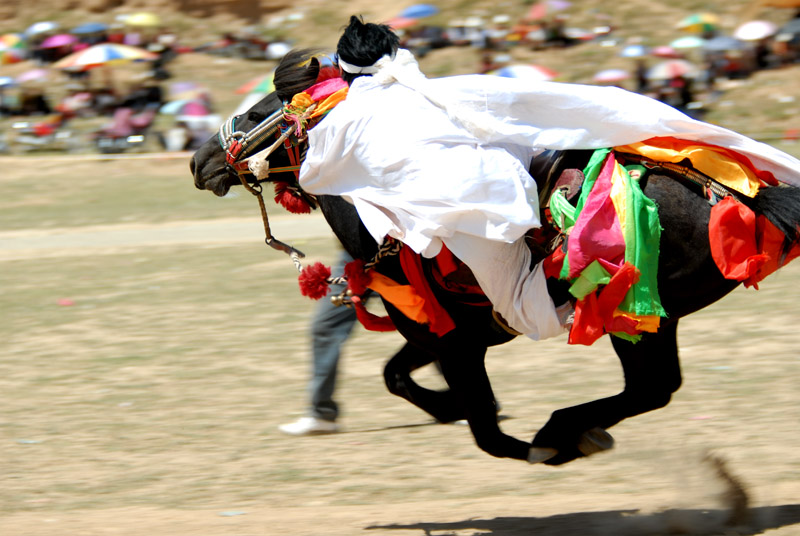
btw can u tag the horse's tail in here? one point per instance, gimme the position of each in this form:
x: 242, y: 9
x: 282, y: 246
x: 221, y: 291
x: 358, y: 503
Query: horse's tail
x: 781, y: 206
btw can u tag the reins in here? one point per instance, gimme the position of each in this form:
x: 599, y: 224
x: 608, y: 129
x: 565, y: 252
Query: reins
x: 241, y: 148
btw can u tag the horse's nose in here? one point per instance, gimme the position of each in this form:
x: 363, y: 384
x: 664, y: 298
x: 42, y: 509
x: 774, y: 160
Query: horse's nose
x: 193, y: 169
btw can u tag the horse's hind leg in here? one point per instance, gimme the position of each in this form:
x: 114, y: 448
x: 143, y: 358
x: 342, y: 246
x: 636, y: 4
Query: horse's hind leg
x: 442, y: 405
x: 652, y: 373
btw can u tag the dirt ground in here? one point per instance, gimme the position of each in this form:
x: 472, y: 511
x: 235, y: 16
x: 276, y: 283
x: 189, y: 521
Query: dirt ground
x: 150, y: 405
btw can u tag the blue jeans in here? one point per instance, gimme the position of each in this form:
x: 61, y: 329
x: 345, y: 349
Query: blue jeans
x: 330, y: 328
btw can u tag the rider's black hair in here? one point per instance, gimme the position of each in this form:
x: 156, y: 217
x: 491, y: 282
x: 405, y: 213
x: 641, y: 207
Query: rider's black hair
x: 363, y: 44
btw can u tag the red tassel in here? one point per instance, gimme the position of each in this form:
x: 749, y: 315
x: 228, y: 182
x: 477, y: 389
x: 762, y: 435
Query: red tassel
x: 286, y: 197
x: 314, y: 281
x: 357, y: 278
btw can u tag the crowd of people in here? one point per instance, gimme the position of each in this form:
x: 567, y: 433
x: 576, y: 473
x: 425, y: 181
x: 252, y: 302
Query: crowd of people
x: 714, y: 56
x: 47, y: 98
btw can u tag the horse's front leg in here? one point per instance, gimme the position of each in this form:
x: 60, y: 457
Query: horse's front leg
x: 441, y: 405
x: 652, y: 375
x: 465, y: 373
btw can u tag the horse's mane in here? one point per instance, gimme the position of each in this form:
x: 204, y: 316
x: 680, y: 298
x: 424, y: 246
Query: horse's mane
x: 299, y: 70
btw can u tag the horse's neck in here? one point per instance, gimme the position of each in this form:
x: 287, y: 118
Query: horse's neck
x: 346, y: 225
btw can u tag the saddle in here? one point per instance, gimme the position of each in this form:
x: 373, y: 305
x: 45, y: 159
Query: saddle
x: 554, y: 171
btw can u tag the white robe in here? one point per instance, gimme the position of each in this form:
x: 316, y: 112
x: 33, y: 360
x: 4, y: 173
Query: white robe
x: 429, y: 161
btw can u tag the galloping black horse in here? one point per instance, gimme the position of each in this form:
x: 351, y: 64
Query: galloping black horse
x: 688, y: 280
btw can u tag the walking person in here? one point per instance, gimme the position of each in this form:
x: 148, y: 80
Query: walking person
x: 331, y: 326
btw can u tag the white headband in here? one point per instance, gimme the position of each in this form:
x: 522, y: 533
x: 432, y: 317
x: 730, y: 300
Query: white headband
x: 355, y: 69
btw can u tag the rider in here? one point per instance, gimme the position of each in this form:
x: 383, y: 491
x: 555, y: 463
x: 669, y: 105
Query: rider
x: 435, y: 162
x: 431, y: 181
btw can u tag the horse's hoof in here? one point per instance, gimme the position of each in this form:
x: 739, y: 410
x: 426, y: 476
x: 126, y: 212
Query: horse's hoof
x: 594, y: 441
x: 540, y: 454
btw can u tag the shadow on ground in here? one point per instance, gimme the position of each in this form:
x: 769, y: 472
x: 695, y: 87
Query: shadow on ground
x: 618, y: 522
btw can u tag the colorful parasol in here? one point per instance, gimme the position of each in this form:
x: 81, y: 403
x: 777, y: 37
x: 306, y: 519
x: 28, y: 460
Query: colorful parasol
x: 41, y: 27
x: 699, y: 23
x: 755, y: 30
x: 611, y: 75
x: 103, y: 54
x: 59, y: 40
x: 194, y: 107
x: 633, y: 51
x: 12, y: 49
x: 399, y: 23
x: 144, y: 19
x: 259, y: 84
x: 546, y: 8
x: 90, y: 28
x: 665, y: 51
x: 723, y: 43
x: 419, y: 11
x: 188, y: 90
x: 687, y: 42
x: 532, y: 73
x: 33, y: 75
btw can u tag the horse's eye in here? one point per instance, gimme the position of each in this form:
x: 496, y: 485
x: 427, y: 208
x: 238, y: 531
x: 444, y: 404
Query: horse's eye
x: 255, y: 117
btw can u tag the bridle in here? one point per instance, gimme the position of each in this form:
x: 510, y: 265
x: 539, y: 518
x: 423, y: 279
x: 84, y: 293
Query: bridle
x: 240, y: 147
x: 242, y: 156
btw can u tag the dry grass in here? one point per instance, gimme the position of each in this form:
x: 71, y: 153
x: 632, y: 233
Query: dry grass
x: 149, y: 402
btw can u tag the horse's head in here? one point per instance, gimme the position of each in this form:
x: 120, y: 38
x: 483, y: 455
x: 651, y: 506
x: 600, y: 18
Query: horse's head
x: 222, y: 161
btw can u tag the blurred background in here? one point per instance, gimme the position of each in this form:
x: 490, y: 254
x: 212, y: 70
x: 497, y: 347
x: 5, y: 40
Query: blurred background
x: 145, y: 76
x: 151, y: 344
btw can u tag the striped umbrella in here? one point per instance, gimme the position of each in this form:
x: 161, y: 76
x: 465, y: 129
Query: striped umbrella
x: 103, y: 54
